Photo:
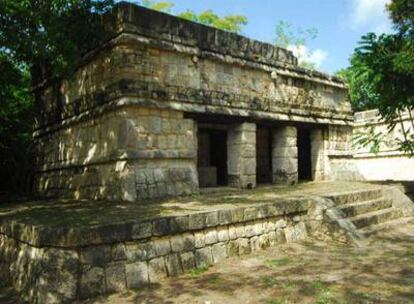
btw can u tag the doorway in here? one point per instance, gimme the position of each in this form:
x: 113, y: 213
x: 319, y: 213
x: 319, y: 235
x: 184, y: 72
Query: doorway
x: 263, y: 155
x: 304, y: 155
x: 212, y: 157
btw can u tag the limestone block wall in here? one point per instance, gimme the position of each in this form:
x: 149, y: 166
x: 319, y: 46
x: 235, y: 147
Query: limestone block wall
x: 128, y: 154
x: 386, y: 164
x: 241, y: 160
x: 285, y: 155
x: 138, y: 253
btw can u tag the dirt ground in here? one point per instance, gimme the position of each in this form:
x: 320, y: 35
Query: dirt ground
x: 306, y: 272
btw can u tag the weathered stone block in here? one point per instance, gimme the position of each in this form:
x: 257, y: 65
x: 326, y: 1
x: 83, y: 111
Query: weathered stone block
x: 183, y: 242
x: 244, y: 246
x: 223, y: 234
x: 136, y: 274
x: 203, y: 257
x: 197, y: 221
x: 115, y: 277
x: 188, y: 260
x: 156, y: 269
x: 232, y: 248
x: 96, y: 255
x: 199, y: 239
x: 119, y: 252
x: 211, y: 236
x: 92, y: 282
x: 219, y: 252
x: 173, y: 265
x: 139, y: 251
x: 212, y: 219
x: 141, y: 230
x: 161, y: 246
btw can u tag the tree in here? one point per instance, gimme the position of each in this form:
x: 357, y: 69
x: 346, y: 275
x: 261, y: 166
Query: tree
x: 231, y: 23
x: 385, y: 65
x: 296, y: 39
x: 38, y: 40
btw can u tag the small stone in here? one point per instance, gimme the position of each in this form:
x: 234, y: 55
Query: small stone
x: 136, y: 274
x: 232, y: 232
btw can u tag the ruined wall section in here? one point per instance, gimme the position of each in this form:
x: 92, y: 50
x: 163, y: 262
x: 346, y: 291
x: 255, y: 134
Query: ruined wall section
x: 388, y: 163
x: 127, y: 154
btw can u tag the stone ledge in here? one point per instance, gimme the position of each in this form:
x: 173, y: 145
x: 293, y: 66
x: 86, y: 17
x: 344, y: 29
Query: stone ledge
x: 41, y: 235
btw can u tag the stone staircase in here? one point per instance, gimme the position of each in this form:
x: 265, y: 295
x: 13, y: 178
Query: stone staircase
x: 367, y: 212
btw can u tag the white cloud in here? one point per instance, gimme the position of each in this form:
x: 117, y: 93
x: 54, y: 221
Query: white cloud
x: 369, y: 15
x: 316, y: 57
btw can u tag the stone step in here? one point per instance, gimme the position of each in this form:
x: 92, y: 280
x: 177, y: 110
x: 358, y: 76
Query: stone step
x: 356, y: 196
x: 375, y: 217
x: 373, y: 229
x: 354, y: 209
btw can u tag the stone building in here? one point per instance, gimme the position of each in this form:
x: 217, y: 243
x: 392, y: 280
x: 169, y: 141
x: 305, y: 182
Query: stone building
x: 167, y: 106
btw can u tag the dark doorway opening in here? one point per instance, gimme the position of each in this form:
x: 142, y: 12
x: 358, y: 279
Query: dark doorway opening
x: 212, y: 157
x: 263, y: 155
x: 304, y: 155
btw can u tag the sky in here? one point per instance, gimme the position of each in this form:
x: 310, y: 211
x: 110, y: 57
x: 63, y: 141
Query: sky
x: 340, y: 23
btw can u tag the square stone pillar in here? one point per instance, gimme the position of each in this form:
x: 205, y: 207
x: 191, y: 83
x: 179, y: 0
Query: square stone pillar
x: 241, y: 156
x: 285, y: 156
x: 318, y: 154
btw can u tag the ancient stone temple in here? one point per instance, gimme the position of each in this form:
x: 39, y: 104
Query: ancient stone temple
x: 168, y: 106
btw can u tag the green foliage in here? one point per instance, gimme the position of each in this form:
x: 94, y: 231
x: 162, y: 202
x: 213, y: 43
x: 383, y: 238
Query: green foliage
x: 38, y: 40
x: 287, y: 36
x: 231, y: 23
x: 361, y: 91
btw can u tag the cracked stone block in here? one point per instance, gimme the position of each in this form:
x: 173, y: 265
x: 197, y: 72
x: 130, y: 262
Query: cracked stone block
x: 183, y: 242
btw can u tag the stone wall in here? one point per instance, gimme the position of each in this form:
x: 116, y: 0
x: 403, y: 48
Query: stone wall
x: 129, y: 154
x: 388, y: 163
x: 79, y: 267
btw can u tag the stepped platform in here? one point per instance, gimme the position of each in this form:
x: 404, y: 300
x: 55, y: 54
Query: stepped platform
x: 64, y: 250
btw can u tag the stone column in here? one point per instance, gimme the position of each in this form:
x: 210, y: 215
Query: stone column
x: 285, y: 155
x: 318, y: 155
x: 241, y: 155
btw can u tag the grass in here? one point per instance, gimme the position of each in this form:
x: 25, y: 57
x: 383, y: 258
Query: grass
x: 269, y: 281
x: 277, y: 262
x: 197, y: 272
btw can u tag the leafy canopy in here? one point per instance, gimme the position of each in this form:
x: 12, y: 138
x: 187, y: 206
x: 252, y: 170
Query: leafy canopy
x: 231, y: 23
x: 295, y: 39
